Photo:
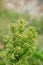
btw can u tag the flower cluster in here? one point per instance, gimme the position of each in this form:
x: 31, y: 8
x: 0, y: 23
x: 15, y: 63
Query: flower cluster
x: 19, y: 44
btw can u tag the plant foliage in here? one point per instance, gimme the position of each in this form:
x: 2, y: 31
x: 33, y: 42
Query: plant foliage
x: 19, y: 44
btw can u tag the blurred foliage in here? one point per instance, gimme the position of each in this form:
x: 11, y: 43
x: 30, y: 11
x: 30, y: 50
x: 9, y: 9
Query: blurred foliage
x: 2, y: 62
x: 13, y: 16
x: 19, y: 44
x: 7, y: 17
x: 38, y: 24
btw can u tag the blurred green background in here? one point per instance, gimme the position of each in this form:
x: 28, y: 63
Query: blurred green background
x: 8, y: 16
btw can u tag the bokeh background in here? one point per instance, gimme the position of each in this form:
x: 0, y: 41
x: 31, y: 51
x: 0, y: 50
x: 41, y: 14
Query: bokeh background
x: 31, y: 11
